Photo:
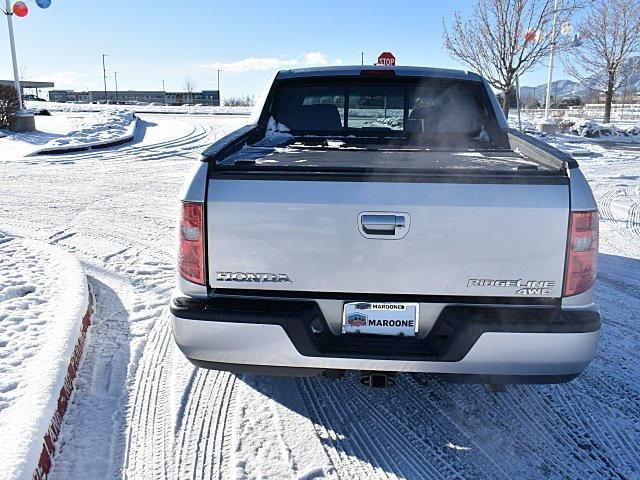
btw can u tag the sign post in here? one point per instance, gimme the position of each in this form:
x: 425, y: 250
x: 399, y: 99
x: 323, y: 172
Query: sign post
x: 387, y: 58
x: 21, y: 121
x: 12, y: 42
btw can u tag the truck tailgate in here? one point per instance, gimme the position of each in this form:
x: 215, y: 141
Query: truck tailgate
x: 496, y: 239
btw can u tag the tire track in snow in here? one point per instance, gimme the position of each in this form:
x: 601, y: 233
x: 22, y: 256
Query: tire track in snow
x: 201, y: 434
x: 604, y: 436
x: 367, y: 448
x: 508, y: 414
x: 189, y: 447
x: 605, y: 204
x: 397, y: 435
x: 147, y: 422
x: 195, y: 133
x: 184, y: 441
x: 340, y: 452
x: 633, y: 223
x: 442, y: 432
x: 327, y: 438
x: 119, y: 151
x: 374, y: 410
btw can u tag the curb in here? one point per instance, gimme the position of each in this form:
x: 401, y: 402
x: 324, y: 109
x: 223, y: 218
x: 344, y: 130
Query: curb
x: 51, y: 437
x: 94, y: 146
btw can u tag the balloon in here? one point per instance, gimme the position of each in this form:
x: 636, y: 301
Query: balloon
x: 20, y: 9
x: 566, y: 29
x: 43, y: 3
x: 529, y: 36
x: 533, y: 35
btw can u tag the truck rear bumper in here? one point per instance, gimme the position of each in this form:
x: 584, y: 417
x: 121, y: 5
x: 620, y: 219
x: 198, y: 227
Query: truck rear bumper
x: 532, y: 344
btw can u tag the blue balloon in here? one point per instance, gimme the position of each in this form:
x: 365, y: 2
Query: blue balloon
x: 43, y: 3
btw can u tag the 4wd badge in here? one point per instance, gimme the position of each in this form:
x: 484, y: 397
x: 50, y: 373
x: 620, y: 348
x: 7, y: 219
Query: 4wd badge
x: 523, y: 287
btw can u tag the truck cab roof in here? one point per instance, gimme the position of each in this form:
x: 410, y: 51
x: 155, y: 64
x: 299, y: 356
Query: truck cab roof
x: 357, y: 70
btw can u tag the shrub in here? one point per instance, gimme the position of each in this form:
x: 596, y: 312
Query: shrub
x: 9, y: 104
x: 592, y: 129
x: 565, y: 124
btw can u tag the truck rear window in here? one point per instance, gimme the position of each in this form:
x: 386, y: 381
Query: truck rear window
x: 428, y: 111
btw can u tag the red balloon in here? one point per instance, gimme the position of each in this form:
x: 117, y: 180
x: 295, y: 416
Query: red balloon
x: 20, y: 9
x: 530, y: 36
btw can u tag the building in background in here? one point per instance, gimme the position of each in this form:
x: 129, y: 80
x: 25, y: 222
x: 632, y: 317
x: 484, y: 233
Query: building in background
x: 24, y: 84
x: 205, y: 97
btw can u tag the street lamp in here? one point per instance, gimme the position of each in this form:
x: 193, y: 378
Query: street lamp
x: 550, y: 72
x: 115, y: 74
x: 219, y: 96
x: 104, y: 76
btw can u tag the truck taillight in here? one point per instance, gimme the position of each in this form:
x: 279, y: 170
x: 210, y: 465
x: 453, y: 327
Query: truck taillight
x: 191, y: 236
x: 582, y: 254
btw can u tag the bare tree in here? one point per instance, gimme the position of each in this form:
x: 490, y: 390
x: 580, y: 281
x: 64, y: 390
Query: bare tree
x: 610, y: 34
x: 189, y: 87
x: 241, y: 101
x: 24, y: 72
x: 505, y: 38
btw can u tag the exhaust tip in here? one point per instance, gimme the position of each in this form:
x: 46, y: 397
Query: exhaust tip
x: 378, y: 379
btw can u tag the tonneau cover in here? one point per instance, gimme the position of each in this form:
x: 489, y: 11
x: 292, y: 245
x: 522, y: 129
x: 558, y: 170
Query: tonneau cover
x: 354, y: 157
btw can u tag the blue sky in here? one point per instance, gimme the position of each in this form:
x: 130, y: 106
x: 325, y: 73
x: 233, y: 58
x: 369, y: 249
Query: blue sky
x: 148, y: 41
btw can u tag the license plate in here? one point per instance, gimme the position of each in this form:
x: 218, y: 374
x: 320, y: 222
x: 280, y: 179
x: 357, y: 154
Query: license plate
x: 396, y: 319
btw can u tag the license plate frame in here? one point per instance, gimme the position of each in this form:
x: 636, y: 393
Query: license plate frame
x: 391, y: 319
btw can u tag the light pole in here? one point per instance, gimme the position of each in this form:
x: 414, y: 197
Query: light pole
x: 104, y: 75
x: 362, y: 58
x: 219, y: 96
x: 550, y: 73
x: 16, y: 77
x: 115, y: 74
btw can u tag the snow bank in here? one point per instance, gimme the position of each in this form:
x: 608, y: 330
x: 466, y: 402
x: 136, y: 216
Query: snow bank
x: 592, y: 129
x: 96, y: 129
x: 43, y: 298
x: 579, y: 127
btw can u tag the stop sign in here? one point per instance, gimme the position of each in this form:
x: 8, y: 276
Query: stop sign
x: 386, y: 58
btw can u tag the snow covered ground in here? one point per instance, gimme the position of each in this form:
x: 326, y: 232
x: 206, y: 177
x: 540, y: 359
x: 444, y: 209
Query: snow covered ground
x: 43, y: 297
x: 142, y: 412
x: 182, y: 109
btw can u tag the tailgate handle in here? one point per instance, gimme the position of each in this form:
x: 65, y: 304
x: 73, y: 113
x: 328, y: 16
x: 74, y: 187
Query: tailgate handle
x: 374, y: 224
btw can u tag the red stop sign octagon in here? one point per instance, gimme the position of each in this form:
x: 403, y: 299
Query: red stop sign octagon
x: 386, y: 58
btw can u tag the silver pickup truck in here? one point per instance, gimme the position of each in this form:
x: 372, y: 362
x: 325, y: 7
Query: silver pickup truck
x: 386, y: 219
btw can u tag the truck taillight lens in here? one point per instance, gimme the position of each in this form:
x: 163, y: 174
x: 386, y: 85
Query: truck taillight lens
x: 582, y: 255
x: 191, y: 236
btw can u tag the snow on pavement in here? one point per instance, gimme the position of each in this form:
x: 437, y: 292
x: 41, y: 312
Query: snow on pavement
x: 142, y: 411
x: 43, y: 297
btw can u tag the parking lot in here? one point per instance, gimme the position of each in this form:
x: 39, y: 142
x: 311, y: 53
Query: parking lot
x: 141, y: 408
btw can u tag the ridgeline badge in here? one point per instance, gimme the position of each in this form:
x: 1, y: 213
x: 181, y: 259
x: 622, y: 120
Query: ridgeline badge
x: 523, y: 287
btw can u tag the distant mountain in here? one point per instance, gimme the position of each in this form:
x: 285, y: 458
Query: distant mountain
x: 559, y: 89
x: 568, y: 88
